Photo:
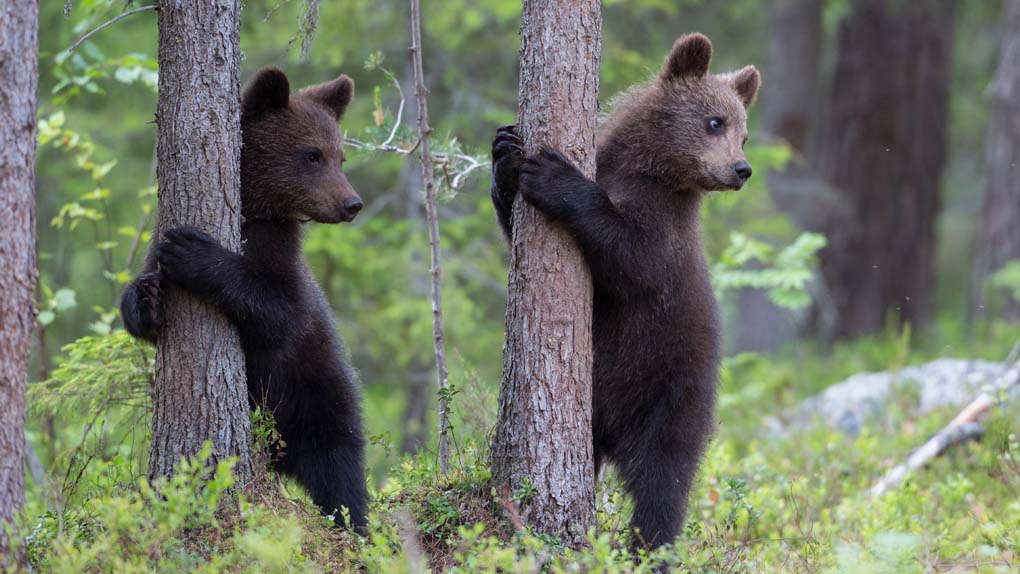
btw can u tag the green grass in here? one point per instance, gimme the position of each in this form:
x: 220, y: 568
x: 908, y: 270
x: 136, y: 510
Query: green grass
x: 763, y: 503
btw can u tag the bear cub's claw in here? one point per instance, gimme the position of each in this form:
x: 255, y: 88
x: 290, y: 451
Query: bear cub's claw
x: 150, y: 298
x: 142, y: 307
x: 507, y: 156
x: 186, y: 255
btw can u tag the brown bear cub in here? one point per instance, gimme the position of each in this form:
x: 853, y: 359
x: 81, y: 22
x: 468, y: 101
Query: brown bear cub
x: 290, y: 173
x: 655, y: 321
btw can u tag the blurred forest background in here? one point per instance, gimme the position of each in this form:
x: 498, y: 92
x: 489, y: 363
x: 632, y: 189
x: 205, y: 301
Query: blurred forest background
x: 887, y: 131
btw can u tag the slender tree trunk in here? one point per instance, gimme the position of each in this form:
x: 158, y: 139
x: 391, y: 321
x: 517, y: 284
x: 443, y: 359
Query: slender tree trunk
x: 200, y: 392
x: 999, y: 234
x: 432, y: 219
x: 19, y: 76
x: 884, y: 151
x: 543, y: 432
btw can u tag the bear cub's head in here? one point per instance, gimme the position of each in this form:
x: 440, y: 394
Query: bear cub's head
x: 694, y: 121
x: 709, y: 112
x: 292, y: 155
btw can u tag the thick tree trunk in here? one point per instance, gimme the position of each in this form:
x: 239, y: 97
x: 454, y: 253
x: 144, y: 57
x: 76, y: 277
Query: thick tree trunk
x: 200, y: 392
x: 19, y: 76
x: 999, y: 235
x: 795, y: 41
x: 884, y: 151
x: 543, y: 432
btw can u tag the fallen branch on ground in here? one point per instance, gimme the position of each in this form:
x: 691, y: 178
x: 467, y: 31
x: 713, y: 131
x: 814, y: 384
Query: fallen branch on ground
x: 962, y: 428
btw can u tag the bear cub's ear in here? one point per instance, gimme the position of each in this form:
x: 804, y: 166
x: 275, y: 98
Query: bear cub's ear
x: 689, y: 58
x: 335, y: 95
x: 268, y: 90
x: 746, y: 81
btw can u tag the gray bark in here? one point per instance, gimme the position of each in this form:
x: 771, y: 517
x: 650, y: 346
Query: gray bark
x: 19, y: 76
x: 200, y: 391
x: 998, y: 239
x: 543, y: 431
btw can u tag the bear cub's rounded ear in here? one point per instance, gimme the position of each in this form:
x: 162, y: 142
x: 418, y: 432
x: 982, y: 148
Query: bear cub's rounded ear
x: 268, y: 90
x: 335, y: 95
x: 689, y: 58
x: 746, y: 81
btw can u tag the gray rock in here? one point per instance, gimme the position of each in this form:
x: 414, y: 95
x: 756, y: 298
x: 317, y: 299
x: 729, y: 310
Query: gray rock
x: 863, y: 398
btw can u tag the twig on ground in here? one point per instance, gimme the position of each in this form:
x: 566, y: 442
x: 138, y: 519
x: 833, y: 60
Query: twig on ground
x: 963, y: 427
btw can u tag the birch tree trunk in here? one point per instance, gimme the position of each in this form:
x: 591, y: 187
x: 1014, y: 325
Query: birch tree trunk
x: 201, y: 391
x: 543, y: 432
x: 19, y: 76
x: 999, y: 235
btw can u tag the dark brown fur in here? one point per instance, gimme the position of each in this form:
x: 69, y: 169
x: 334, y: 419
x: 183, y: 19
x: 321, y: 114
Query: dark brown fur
x: 290, y: 173
x: 656, y: 325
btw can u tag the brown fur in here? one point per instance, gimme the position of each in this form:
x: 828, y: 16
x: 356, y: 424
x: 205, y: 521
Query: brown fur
x: 656, y: 325
x: 291, y: 172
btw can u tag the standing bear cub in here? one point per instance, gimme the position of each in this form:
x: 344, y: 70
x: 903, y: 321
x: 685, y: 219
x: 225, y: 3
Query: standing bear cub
x: 655, y: 322
x: 290, y: 173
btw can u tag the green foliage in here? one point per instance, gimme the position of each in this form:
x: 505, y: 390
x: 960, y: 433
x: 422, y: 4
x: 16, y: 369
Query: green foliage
x: 784, y: 275
x: 1007, y: 278
x: 183, y: 524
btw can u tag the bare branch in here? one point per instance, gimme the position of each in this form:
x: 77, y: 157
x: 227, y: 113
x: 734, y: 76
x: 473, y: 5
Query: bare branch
x: 964, y: 426
x: 109, y: 23
x: 432, y: 218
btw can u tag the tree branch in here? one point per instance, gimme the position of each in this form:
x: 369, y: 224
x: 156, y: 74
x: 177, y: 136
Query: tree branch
x: 110, y: 23
x: 964, y: 426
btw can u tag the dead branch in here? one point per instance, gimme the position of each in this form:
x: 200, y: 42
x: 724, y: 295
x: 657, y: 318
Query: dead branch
x: 432, y: 219
x: 963, y: 427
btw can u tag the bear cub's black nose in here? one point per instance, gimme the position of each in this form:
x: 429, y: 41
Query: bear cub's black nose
x: 353, y: 205
x: 743, y: 170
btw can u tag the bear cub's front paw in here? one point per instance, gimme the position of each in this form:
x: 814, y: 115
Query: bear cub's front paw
x: 548, y: 179
x: 507, y: 157
x: 186, y: 255
x: 142, y: 307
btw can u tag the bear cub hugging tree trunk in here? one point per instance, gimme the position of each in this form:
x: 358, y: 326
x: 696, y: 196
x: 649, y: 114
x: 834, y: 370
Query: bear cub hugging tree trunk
x: 655, y: 322
x: 291, y: 173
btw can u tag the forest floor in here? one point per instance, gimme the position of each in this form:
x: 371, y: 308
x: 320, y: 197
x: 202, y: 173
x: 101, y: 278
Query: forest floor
x: 765, y: 501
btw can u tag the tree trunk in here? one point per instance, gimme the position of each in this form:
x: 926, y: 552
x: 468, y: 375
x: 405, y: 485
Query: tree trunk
x: 795, y: 41
x: 201, y: 391
x: 999, y: 234
x: 543, y: 432
x: 19, y: 76
x: 884, y: 151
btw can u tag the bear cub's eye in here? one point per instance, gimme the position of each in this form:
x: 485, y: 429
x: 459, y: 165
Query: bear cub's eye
x: 715, y: 125
x: 314, y: 157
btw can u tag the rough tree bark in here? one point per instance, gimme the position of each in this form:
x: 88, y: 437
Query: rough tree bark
x: 792, y: 74
x: 543, y: 432
x: 200, y: 392
x: 883, y: 151
x: 19, y: 76
x: 998, y: 239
